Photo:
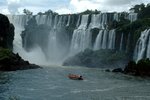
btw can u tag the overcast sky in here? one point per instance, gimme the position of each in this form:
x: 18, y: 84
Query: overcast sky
x: 66, y: 6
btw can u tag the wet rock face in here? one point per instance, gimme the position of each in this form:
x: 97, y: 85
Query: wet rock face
x: 12, y: 62
x: 8, y: 60
x: 117, y: 70
x: 6, y: 32
x: 141, y: 68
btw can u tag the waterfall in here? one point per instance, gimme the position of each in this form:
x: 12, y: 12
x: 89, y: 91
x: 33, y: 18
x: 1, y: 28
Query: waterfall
x: 78, y: 22
x: 52, y: 47
x: 95, y: 21
x: 103, y: 20
x: 148, y: 48
x: 19, y: 22
x: 84, y: 22
x: 69, y: 19
x: 105, y: 40
x: 62, y: 35
x: 34, y: 56
x: 132, y: 17
x: 121, y: 43
x: 143, y: 46
x: 111, y: 41
x: 98, y: 42
x: 55, y: 21
x: 81, y: 38
x: 116, y: 16
x: 41, y: 19
x: 80, y: 41
x: 128, y: 42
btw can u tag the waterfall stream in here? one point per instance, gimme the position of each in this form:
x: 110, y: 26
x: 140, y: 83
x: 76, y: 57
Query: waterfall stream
x: 61, y: 42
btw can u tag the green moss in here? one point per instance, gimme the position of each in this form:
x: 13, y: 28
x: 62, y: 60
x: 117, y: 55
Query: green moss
x: 141, y: 68
x: 5, y: 53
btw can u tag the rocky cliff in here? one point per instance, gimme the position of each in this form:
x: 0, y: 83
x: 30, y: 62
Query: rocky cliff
x: 6, y: 32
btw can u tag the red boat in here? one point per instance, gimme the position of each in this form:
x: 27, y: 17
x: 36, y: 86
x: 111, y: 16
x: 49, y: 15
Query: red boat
x: 75, y: 77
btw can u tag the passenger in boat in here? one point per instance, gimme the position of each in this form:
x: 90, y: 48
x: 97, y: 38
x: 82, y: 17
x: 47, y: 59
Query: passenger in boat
x: 76, y: 77
x: 80, y: 77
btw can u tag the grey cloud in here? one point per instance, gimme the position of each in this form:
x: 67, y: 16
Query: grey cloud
x: 105, y: 5
x: 49, y: 4
x: 118, y: 2
x: 13, y: 8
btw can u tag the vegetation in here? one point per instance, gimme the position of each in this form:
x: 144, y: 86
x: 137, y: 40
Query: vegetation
x: 142, y: 10
x: 89, y: 12
x: 97, y: 58
x: 139, y: 25
x: 141, y: 68
x: 27, y: 12
x: 133, y: 28
x: 11, y: 62
x: 5, y: 54
x: 48, y: 12
x: 8, y: 60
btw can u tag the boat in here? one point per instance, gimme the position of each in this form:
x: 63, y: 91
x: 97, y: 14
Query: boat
x: 75, y: 77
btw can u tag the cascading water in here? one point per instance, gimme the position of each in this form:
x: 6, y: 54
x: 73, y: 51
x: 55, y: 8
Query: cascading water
x: 41, y: 19
x: 19, y: 22
x: 132, y: 17
x: 105, y: 40
x: 95, y: 21
x: 111, y: 42
x: 121, y: 43
x: 142, y: 49
x: 35, y: 55
x: 67, y: 35
x: 98, y: 42
x: 116, y: 17
x: 81, y: 38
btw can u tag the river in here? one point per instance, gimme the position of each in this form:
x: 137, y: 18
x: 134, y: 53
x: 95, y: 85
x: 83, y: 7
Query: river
x: 52, y: 83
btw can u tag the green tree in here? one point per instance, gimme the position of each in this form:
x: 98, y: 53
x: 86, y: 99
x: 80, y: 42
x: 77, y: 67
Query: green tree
x: 27, y: 12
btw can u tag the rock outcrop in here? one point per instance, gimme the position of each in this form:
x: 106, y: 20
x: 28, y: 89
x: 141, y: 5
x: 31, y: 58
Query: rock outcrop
x: 8, y: 60
x: 141, y: 68
x: 6, y: 32
x: 99, y: 59
x: 12, y: 62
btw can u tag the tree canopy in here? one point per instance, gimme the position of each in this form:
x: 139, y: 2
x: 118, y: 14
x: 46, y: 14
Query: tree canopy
x: 27, y: 12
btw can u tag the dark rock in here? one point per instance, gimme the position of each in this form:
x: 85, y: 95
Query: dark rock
x: 141, y: 68
x: 107, y: 70
x: 98, y: 59
x: 12, y: 62
x: 6, y: 33
x: 117, y: 70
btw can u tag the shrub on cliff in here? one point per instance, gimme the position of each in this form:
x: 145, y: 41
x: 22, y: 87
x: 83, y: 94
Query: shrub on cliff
x: 141, y: 68
x: 11, y: 62
x: 98, y: 58
x: 90, y: 12
x: 5, y: 54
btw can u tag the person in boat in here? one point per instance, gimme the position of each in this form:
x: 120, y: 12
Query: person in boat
x: 80, y: 77
x: 75, y: 77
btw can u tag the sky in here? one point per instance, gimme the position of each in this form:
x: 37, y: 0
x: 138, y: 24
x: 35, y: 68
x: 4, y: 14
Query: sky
x: 66, y: 6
